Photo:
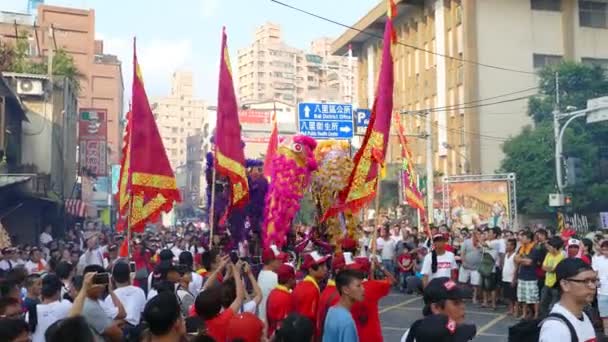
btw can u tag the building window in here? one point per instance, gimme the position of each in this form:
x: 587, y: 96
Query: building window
x: 546, y: 5
x: 593, y: 13
x: 174, y: 130
x: 540, y: 61
x: 603, y: 62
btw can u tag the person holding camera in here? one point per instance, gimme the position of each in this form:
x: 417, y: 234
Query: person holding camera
x: 102, y: 322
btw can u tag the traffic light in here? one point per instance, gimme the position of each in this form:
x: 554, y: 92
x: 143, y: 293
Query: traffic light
x: 567, y: 201
x: 574, y: 171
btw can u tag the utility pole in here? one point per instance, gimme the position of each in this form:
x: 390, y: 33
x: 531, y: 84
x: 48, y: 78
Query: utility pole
x: 429, y: 166
x: 558, y: 152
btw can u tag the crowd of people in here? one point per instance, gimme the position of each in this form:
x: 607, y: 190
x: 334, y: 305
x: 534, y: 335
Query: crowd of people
x: 175, y: 288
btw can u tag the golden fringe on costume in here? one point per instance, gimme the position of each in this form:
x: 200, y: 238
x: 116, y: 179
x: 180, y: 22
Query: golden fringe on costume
x: 335, y: 165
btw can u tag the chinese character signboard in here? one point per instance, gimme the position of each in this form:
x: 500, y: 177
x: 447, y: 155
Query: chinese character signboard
x: 325, y: 120
x: 92, y: 137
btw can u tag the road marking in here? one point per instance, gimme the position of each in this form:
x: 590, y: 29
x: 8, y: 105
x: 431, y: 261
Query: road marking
x: 389, y: 308
x: 467, y: 312
x: 395, y: 328
x: 491, y: 323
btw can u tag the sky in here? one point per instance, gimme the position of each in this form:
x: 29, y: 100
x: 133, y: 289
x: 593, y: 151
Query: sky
x: 187, y: 37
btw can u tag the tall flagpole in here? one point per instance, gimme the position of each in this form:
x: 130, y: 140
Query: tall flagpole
x: 212, y: 204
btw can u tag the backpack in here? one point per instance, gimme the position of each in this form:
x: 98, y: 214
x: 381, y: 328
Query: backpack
x: 529, y: 331
x: 486, y: 266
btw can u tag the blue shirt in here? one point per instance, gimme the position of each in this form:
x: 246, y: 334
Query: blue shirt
x: 339, y: 326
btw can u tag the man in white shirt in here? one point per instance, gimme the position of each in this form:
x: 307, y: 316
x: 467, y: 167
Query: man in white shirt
x: 577, y: 282
x: 195, y: 286
x: 267, y: 278
x: 51, y: 309
x: 439, y: 263
x: 600, y: 265
x: 132, y: 297
x: 387, y: 246
x: 36, y: 264
x: 46, y: 237
x: 10, y: 259
x: 93, y: 255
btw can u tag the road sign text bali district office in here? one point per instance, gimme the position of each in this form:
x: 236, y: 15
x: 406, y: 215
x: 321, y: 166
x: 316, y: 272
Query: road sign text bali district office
x: 326, y: 120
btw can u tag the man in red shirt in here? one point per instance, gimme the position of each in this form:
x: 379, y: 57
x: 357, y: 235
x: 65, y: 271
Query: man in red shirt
x: 208, y: 305
x: 280, y: 302
x: 365, y: 313
x: 306, y: 294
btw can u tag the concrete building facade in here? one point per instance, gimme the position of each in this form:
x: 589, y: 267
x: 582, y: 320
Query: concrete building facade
x: 179, y: 116
x: 269, y: 69
x: 453, y: 53
x: 73, y: 30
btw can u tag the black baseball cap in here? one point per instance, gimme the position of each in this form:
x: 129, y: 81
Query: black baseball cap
x: 571, y: 267
x: 443, y: 288
x: 439, y: 328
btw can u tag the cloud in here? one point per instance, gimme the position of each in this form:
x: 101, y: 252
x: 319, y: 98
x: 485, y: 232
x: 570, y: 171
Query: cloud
x: 209, y: 8
x: 158, y: 59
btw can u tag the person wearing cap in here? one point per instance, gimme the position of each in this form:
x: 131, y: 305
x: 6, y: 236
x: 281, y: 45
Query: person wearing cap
x: 164, y: 320
x: 186, y: 259
x: 439, y: 263
x: 112, y: 257
x: 442, y: 296
x: 306, y: 294
x: 51, y: 309
x: 280, y: 302
x: 165, y: 257
x: 339, y: 324
x: 435, y: 328
x: 573, y: 248
x: 600, y: 264
x: 365, y: 313
x: 578, y: 283
x: 245, y: 327
x: 267, y: 278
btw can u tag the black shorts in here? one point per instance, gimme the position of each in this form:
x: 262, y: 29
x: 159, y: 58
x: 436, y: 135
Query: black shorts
x: 488, y: 283
x: 509, y: 291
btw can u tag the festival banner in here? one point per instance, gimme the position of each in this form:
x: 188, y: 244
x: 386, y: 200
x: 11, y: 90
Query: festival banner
x: 363, y: 180
x: 479, y: 202
x: 229, y: 153
x: 273, y: 144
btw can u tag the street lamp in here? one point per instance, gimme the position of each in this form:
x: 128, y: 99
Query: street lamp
x: 466, y: 160
x: 596, y: 111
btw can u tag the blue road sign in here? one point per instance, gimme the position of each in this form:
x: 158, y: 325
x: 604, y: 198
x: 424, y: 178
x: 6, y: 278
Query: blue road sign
x: 362, y: 117
x: 326, y: 120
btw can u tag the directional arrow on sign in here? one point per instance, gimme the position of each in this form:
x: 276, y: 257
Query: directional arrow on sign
x: 345, y: 129
x: 306, y: 111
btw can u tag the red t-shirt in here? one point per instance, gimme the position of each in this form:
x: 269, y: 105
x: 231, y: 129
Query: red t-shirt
x: 329, y: 297
x: 405, y: 262
x: 365, y: 313
x: 216, y: 327
x: 306, y: 299
x: 279, y: 305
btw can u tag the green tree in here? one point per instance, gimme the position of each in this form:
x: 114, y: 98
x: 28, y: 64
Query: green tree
x: 531, y: 154
x: 16, y: 58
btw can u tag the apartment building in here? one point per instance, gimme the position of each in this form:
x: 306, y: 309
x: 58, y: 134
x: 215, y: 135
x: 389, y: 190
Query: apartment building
x: 54, y: 28
x: 453, y: 53
x: 271, y: 70
x: 179, y: 116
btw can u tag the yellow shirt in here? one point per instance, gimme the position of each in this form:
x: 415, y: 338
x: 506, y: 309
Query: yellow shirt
x: 551, y: 261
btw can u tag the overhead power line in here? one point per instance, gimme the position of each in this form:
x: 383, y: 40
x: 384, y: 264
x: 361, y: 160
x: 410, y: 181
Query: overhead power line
x: 371, y: 34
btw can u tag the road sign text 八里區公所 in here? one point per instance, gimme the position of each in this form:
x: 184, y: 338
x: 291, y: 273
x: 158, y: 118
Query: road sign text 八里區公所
x: 326, y: 120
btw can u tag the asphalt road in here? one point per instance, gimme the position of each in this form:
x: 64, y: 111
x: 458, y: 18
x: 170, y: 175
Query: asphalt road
x: 399, y: 311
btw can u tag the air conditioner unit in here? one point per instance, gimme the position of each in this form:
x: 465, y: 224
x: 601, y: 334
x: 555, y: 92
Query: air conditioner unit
x: 29, y: 87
